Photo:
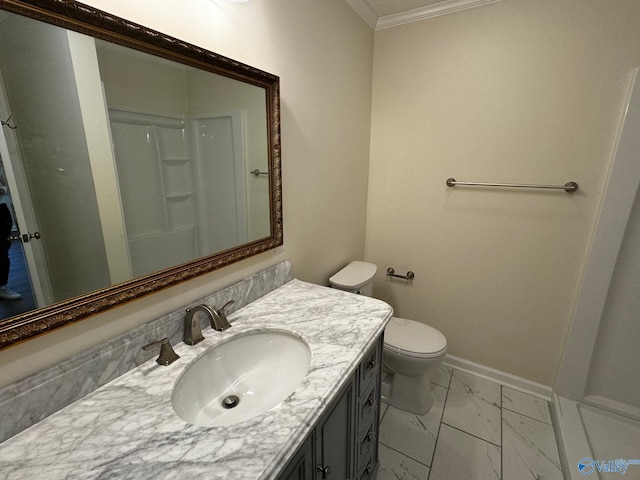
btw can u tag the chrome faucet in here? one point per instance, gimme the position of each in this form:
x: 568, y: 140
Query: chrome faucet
x: 192, y: 332
x: 219, y: 320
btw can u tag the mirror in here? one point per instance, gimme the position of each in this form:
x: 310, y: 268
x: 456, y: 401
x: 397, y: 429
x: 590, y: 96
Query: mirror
x: 131, y: 160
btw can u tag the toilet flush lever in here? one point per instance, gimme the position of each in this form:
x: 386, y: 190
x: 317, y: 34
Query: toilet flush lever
x: 392, y: 273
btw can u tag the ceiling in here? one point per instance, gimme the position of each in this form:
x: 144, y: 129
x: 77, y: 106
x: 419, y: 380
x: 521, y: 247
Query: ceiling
x: 381, y: 14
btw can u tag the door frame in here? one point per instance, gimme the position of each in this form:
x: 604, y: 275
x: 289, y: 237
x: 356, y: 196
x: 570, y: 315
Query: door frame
x: 22, y: 207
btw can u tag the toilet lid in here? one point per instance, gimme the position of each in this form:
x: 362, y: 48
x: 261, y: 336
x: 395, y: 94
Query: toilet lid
x: 415, y: 339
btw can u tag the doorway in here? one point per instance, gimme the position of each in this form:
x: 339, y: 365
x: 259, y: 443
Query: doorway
x: 19, y: 278
x: 19, y: 281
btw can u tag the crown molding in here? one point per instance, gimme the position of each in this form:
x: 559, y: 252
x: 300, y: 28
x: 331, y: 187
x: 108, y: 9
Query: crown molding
x: 363, y: 9
x: 441, y: 8
x: 422, y: 13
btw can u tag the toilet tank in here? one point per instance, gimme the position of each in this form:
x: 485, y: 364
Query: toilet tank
x: 357, y: 277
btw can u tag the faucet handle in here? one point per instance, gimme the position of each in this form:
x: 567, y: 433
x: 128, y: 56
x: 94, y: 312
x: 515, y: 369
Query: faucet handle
x: 223, y: 314
x: 224, y: 307
x: 219, y: 320
x: 167, y: 355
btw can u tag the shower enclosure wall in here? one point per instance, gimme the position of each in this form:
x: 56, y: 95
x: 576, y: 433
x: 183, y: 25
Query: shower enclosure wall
x: 182, y: 184
x: 597, y: 394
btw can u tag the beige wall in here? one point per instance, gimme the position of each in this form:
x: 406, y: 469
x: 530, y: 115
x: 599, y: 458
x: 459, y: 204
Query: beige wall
x: 132, y: 81
x: 517, y: 91
x: 514, y: 91
x: 322, y: 52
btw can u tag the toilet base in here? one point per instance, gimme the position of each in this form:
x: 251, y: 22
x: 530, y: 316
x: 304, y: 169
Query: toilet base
x: 411, y: 394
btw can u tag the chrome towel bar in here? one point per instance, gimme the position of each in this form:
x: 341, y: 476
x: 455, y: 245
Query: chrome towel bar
x: 569, y: 187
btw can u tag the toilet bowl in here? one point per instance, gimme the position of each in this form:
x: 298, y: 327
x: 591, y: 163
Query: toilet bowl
x: 412, y: 350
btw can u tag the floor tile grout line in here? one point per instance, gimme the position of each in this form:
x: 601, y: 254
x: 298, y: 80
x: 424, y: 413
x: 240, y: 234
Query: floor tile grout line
x: 444, y: 405
x: 450, y: 376
x: 497, y: 405
x: 472, y: 435
x: 528, y: 416
x: 383, y: 415
x: 450, y: 373
x: 405, y: 455
x: 437, y: 434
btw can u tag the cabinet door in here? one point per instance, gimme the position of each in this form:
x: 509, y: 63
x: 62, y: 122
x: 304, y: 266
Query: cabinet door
x: 334, y: 439
x: 300, y: 467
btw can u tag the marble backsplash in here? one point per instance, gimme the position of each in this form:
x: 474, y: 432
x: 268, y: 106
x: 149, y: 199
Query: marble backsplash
x: 28, y: 401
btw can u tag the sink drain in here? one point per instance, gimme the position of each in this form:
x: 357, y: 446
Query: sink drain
x: 230, y: 401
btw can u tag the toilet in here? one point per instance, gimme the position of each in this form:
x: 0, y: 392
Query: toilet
x: 412, y: 350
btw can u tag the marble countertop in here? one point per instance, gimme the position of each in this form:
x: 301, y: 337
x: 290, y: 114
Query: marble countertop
x: 127, y: 429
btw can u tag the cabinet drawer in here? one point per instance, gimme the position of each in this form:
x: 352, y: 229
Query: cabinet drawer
x: 367, y: 442
x: 369, y: 368
x: 369, y: 470
x: 368, y: 405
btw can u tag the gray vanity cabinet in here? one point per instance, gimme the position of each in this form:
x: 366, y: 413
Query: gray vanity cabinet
x: 368, y: 380
x: 301, y: 466
x: 334, y: 438
x: 344, y: 443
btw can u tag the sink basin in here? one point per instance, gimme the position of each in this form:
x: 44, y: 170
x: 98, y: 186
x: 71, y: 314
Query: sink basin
x: 241, y: 378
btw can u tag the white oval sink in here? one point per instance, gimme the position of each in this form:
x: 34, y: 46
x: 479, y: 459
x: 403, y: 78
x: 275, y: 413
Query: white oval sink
x: 250, y: 374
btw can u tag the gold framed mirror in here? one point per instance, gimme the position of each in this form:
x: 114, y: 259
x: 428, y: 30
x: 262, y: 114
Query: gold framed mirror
x: 138, y: 248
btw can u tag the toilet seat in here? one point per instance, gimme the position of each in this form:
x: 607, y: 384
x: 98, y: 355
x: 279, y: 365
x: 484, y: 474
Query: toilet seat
x: 414, y: 339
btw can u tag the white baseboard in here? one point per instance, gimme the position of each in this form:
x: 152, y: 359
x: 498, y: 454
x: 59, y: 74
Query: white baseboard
x: 517, y: 383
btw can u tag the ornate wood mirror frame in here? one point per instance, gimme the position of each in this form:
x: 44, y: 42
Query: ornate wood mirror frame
x: 90, y: 21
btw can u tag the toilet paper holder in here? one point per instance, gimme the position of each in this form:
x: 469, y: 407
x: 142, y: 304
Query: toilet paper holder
x: 392, y: 273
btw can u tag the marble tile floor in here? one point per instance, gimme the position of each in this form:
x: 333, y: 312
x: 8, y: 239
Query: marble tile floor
x: 477, y: 430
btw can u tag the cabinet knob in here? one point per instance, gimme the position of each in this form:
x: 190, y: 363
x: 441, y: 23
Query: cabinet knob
x: 326, y: 471
x: 371, y: 364
x: 368, y: 437
x: 369, y: 401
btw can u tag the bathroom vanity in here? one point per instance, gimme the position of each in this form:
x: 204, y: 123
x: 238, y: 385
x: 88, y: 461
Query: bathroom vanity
x: 345, y: 440
x: 327, y: 428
